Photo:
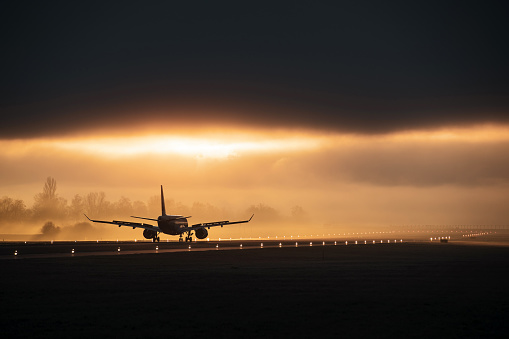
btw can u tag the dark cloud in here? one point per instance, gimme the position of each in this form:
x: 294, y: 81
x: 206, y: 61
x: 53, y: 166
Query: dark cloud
x: 363, y: 66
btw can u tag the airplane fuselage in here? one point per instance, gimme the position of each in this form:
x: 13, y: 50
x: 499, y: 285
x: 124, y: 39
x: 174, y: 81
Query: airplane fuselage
x: 170, y: 225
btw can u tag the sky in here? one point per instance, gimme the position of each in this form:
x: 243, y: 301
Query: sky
x: 364, y: 113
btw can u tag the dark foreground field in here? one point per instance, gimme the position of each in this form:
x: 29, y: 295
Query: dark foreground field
x: 410, y: 290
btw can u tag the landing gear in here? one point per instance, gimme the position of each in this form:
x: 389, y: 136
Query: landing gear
x: 189, y: 237
x: 156, y: 239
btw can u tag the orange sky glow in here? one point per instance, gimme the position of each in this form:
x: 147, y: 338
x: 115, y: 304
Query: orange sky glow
x: 453, y: 175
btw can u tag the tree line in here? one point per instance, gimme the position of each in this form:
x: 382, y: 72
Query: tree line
x: 48, y: 205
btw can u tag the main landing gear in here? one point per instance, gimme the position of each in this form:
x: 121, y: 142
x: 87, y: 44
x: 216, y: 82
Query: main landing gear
x: 156, y: 239
x: 189, y: 237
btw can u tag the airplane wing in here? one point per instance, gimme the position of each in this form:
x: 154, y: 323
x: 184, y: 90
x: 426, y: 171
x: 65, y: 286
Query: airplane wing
x: 128, y: 224
x: 214, y: 224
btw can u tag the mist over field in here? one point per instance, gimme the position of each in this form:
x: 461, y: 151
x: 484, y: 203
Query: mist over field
x: 52, y: 217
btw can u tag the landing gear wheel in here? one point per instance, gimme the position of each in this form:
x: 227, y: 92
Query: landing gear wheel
x: 180, y: 239
x: 158, y: 239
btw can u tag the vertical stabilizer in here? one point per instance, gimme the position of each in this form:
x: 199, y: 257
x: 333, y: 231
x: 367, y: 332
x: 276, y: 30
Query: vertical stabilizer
x: 163, y: 208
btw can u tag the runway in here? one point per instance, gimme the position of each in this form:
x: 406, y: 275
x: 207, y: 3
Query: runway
x: 28, y: 250
x: 62, y: 249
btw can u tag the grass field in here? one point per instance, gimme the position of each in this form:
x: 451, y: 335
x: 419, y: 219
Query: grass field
x: 411, y: 290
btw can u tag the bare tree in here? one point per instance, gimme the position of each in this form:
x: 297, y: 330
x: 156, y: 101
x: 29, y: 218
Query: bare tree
x: 50, y: 188
x: 48, y: 204
x: 96, y: 204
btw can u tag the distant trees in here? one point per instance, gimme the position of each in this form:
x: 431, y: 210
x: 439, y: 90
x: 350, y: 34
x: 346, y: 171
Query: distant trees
x: 11, y: 209
x: 49, y: 229
x: 77, y: 207
x: 264, y: 212
x: 48, y: 203
x: 95, y: 204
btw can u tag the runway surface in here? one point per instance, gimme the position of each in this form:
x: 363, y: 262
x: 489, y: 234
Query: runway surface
x: 59, y: 249
x: 22, y: 250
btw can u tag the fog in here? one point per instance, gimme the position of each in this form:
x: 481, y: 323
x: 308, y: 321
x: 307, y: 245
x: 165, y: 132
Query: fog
x: 337, y: 182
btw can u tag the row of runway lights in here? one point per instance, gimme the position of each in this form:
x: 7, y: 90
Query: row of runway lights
x: 339, y: 234
x: 261, y: 245
x: 475, y: 234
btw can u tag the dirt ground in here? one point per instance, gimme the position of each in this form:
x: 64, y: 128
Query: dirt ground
x: 410, y: 289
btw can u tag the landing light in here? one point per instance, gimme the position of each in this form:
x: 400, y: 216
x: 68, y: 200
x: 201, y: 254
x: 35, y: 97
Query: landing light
x: 323, y: 243
x: 240, y: 245
x: 217, y: 245
x: 16, y: 252
x: 346, y: 242
x: 118, y: 249
x: 355, y: 242
x: 157, y: 248
x: 310, y: 243
x: 72, y: 251
x: 189, y: 247
x: 334, y: 243
x: 261, y: 245
x: 279, y: 244
x: 296, y: 244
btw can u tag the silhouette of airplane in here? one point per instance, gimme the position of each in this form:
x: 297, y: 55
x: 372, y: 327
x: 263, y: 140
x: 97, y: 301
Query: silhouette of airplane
x: 171, y: 224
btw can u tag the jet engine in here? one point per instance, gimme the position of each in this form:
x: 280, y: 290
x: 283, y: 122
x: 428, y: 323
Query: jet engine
x: 149, y: 234
x: 201, y: 233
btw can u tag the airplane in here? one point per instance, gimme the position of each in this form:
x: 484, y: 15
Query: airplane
x: 171, y: 224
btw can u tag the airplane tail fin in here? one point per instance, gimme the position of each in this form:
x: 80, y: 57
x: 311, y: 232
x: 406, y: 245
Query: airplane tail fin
x: 163, y: 207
